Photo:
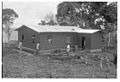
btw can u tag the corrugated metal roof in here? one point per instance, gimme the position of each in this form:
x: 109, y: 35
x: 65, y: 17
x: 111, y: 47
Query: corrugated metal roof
x: 46, y: 28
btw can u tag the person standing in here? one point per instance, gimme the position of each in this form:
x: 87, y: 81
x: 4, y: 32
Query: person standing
x: 68, y: 49
x: 20, y: 47
x: 37, y: 48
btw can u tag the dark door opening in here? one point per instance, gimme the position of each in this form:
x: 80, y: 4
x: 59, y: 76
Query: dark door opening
x: 83, y: 42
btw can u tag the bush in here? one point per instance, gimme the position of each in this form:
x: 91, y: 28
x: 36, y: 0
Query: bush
x: 57, y: 51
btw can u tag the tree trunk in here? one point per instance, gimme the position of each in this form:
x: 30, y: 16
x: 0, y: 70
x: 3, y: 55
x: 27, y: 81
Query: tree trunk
x: 8, y: 32
x: 109, y: 39
x: 8, y: 37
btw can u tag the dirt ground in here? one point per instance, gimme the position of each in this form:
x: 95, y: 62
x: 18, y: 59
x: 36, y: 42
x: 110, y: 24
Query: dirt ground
x: 15, y: 65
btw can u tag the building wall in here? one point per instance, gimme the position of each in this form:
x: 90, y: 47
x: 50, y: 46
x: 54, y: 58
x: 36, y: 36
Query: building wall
x: 87, y: 40
x: 28, y: 41
x: 96, y: 41
x: 58, y: 40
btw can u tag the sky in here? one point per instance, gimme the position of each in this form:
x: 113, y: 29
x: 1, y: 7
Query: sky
x: 31, y: 12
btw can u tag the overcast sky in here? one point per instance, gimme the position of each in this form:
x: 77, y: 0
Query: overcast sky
x: 31, y: 12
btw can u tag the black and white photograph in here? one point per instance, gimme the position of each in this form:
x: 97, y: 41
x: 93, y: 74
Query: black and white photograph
x: 59, y: 39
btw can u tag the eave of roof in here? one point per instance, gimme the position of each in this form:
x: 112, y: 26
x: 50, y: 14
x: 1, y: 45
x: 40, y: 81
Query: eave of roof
x: 46, y: 28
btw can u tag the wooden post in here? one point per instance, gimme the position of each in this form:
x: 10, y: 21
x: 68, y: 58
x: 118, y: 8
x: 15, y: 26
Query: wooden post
x: 20, y: 47
x: 101, y: 63
x: 86, y: 59
x: 109, y: 39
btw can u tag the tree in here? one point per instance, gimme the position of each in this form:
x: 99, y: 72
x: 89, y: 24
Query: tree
x: 8, y: 16
x: 110, y: 15
x: 50, y: 18
x: 43, y: 22
x: 79, y: 13
x: 65, y: 13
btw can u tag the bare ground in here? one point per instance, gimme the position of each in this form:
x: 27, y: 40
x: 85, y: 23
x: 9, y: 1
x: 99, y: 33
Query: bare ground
x: 55, y: 66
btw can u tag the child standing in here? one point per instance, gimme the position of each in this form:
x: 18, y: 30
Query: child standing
x: 37, y: 48
x: 68, y: 49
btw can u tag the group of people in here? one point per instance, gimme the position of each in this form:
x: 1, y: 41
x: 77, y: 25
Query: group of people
x: 38, y: 48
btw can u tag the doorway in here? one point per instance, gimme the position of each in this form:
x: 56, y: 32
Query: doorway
x: 83, y: 42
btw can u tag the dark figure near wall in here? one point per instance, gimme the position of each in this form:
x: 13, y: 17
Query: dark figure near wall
x: 83, y: 43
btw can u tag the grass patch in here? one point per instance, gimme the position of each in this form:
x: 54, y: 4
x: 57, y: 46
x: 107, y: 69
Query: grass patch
x: 55, y: 66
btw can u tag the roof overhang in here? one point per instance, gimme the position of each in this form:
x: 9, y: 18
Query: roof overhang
x: 58, y: 29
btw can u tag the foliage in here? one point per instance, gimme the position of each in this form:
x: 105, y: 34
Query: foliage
x: 94, y: 15
x: 8, y: 16
x: 42, y: 22
x: 49, y: 20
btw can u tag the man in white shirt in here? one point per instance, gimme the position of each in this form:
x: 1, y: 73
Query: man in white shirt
x: 38, y: 48
x: 20, y: 47
x: 68, y: 49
